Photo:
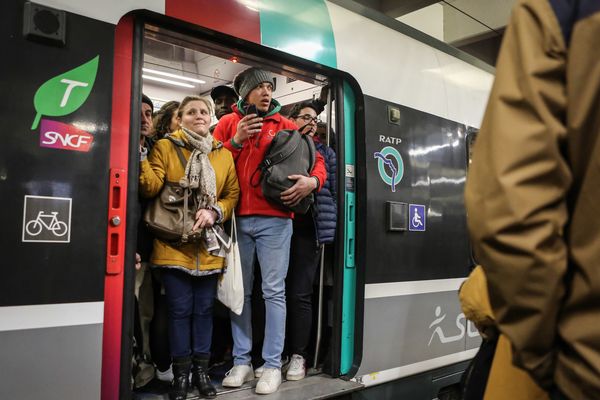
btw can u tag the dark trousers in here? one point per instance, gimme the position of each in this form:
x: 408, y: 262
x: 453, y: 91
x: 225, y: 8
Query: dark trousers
x: 159, y: 327
x: 304, y: 263
x: 190, y: 302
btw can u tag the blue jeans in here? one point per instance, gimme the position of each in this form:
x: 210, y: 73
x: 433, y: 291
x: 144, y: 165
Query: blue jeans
x: 268, y: 238
x: 190, y: 303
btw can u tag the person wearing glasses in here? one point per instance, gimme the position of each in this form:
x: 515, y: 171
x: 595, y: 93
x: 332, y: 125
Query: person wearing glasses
x: 264, y: 230
x: 311, y: 231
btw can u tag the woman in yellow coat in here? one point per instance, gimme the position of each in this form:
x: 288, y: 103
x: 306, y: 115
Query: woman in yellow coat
x: 505, y: 381
x: 190, y: 271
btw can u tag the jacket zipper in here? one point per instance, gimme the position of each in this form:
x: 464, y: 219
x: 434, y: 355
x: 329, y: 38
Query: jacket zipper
x: 250, y: 187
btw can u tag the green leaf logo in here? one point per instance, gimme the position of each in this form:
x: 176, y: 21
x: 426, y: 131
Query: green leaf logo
x: 66, y: 92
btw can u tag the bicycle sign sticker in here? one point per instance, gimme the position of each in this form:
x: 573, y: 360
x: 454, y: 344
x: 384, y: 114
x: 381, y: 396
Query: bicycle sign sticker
x: 47, y: 219
x: 416, y: 213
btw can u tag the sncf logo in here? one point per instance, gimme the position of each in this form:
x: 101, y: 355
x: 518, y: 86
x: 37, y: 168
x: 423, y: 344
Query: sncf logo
x: 57, y: 135
x: 461, y: 326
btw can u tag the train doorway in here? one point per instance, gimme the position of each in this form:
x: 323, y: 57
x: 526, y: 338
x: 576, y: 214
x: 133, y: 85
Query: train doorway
x: 173, y: 65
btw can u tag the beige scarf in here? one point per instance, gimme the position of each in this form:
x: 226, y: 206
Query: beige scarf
x: 199, y: 174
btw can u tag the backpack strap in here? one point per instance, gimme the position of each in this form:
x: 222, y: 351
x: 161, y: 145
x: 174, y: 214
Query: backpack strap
x: 312, y: 150
x: 287, y: 149
x: 290, y: 144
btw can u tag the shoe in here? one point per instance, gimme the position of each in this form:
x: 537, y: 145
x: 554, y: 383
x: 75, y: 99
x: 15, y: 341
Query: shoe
x: 297, y: 368
x: 284, y: 365
x: 181, y: 380
x: 269, y: 381
x: 238, y: 375
x: 144, y: 374
x: 200, y: 378
x: 166, y: 376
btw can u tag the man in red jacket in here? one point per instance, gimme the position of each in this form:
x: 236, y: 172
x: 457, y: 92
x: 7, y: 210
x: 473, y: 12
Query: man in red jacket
x: 264, y: 230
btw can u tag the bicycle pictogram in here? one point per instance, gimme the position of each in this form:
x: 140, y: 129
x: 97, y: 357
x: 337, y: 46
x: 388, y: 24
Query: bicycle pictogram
x: 49, y: 221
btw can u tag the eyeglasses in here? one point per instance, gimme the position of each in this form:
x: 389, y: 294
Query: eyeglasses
x: 308, y: 118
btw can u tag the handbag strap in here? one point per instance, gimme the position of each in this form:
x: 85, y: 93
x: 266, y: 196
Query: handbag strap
x: 233, y: 233
x: 178, y: 151
x: 186, y: 191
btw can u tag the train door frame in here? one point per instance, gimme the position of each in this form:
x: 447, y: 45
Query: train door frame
x: 119, y: 296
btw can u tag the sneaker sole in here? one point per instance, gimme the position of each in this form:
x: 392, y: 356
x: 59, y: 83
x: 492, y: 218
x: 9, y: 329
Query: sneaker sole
x: 267, y: 392
x: 247, y: 379
x: 295, y: 377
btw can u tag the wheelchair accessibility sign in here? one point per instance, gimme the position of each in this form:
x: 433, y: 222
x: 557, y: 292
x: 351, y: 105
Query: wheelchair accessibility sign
x: 47, y: 219
x: 416, y: 214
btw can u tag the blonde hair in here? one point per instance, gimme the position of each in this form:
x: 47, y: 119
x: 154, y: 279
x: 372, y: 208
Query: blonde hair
x: 189, y: 99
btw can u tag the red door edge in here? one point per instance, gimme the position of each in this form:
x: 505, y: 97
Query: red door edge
x: 119, y: 155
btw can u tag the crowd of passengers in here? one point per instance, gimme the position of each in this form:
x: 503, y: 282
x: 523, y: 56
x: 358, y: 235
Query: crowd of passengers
x: 176, y: 285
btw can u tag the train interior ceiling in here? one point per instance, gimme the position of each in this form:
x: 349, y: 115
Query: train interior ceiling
x: 175, y: 66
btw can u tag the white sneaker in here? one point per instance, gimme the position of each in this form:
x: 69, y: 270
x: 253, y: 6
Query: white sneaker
x: 238, y: 375
x: 297, y: 369
x: 285, y: 363
x: 269, y: 381
x: 166, y: 376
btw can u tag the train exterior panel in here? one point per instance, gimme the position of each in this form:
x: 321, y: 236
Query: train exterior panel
x: 66, y: 160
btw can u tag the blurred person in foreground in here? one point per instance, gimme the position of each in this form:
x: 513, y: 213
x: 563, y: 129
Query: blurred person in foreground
x: 532, y: 194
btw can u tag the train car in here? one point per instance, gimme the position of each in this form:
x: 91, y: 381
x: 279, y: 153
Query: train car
x: 404, y: 108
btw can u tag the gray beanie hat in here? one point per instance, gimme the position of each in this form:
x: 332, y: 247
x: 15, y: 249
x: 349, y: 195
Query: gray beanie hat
x: 250, y: 78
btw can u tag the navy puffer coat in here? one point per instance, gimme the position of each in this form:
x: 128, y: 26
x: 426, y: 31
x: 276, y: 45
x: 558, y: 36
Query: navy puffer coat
x: 325, y: 207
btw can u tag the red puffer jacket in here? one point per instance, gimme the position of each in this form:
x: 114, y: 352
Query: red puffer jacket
x: 247, y: 159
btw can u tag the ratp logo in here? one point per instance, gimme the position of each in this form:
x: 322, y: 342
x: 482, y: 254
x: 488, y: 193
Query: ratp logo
x: 389, y: 159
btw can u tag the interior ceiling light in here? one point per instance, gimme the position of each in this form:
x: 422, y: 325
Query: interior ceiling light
x: 169, y: 81
x: 183, y: 78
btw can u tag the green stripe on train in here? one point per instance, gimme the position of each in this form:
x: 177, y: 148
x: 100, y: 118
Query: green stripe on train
x: 301, y: 28
x: 349, y: 290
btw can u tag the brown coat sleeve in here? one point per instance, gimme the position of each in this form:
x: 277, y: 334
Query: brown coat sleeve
x: 516, y: 188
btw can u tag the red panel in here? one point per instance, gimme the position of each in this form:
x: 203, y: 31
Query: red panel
x: 119, y: 150
x: 227, y: 16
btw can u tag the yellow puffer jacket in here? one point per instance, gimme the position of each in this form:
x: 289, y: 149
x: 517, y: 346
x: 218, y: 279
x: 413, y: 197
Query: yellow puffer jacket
x: 505, y: 380
x: 163, y: 163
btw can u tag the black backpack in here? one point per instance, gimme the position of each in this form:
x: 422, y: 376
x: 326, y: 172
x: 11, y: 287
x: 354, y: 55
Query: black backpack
x: 290, y: 153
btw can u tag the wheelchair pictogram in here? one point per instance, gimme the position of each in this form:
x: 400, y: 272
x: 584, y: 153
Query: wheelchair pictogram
x: 417, y: 221
x: 48, y: 221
